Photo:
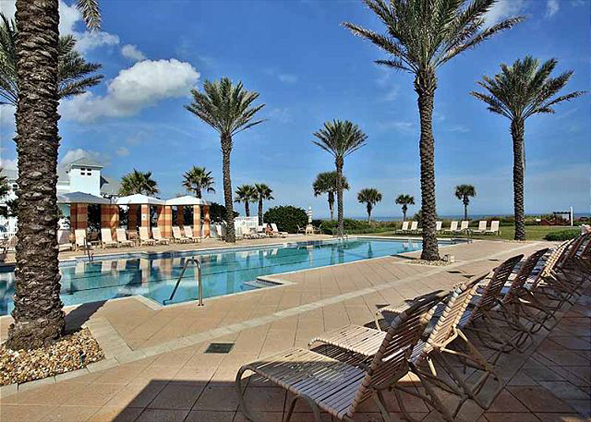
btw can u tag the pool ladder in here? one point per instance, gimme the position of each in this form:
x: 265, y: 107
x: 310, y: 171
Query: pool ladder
x: 196, y: 263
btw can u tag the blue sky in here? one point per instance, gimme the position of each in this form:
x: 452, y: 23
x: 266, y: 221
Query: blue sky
x: 309, y: 69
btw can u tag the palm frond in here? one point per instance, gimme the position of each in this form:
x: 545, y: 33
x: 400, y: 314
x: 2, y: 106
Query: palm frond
x: 91, y: 13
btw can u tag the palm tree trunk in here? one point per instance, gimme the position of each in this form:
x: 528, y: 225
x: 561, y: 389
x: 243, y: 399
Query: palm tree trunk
x: 247, y: 208
x: 38, y: 315
x: 331, y: 205
x: 465, y: 211
x: 517, y: 132
x: 339, y: 165
x: 404, y: 213
x: 425, y: 85
x: 368, y: 213
x: 260, y: 212
x: 226, y: 151
x: 198, y: 193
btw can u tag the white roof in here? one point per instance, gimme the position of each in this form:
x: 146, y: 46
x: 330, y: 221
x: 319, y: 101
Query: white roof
x: 81, y: 198
x: 139, y: 199
x: 186, y: 200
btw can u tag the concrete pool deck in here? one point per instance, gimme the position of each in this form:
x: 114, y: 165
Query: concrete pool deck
x: 156, y: 369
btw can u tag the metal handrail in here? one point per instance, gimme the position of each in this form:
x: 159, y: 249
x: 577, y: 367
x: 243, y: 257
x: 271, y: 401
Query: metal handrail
x: 197, y: 263
x: 87, y: 249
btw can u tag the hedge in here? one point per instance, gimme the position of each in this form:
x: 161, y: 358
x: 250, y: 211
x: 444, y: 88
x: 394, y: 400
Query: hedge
x: 287, y: 218
x: 562, y: 235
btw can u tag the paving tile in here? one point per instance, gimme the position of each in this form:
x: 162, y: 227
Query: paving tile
x: 510, y: 417
x: 506, y: 403
x: 71, y: 413
x: 116, y: 414
x: 565, y: 390
x: 538, y: 399
x: 197, y: 416
x: 559, y: 417
x: 176, y: 396
x: 161, y: 415
x: 25, y: 413
x: 217, y: 398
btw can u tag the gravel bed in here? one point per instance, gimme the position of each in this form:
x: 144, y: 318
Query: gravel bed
x: 440, y: 263
x: 71, y: 352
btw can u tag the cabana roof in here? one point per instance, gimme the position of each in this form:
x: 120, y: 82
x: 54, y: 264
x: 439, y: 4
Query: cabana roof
x: 139, y: 199
x: 186, y: 200
x: 81, y: 198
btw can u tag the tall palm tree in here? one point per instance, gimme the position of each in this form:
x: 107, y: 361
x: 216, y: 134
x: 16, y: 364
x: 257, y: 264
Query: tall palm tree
x: 464, y: 193
x: 138, y: 182
x: 370, y: 197
x: 246, y: 194
x: 229, y: 110
x: 327, y: 183
x: 518, y: 92
x: 421, y: 36
x: 75, y: 74
x: 38, y: 314
x: 198, y: 179
x: 405, y: 201
x: 263, y: 193
x: 4, y: 188
x: 340, y: 139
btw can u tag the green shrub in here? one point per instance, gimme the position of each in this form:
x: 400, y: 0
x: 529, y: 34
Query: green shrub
x: 287, y: 218
x: 217, y: 213
x: 562, y: 235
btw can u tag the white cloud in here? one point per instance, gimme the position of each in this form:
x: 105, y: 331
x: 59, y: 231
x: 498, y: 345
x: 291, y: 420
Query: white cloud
x: 552, y: 7
x: 504, y: 9
x: 132, y: 52
x: 133, y: 89
x: 387, y: 85
x: 287, y: 78
x: 400, y: 126
x: 8, y: 164
x: 122, y: 152
x: 282, y: 115
x: 7, y: 116
x: 78, y: 153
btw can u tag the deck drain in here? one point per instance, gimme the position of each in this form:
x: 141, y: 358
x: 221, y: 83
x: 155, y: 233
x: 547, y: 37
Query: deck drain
x: 454, y: 272
x: 219, y: 348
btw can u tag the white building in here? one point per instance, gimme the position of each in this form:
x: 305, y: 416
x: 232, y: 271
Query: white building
x: 82, y: 175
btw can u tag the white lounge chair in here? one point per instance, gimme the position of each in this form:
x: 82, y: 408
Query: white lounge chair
x: 178, y: 236
x: 158, y: 236
x: 465, y: 226
x: 276, y: 231
x: 261, y: 232
x: 219, y: 232
x: 122, y: 238
x: 189, y: 234
x: 494, y: 228
x: 414, y: 227
x: 453, y: 227
x: 481, y: 227
x: 106, y: 239
x: 145, y: 238
x: 404, y: 227
x: 80, y: 236
x: 438, y: 226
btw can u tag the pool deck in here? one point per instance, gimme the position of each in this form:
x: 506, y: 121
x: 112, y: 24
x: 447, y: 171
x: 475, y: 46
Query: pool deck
x: 156, y: 369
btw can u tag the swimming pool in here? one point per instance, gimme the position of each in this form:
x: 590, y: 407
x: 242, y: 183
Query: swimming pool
x: 224, y: 271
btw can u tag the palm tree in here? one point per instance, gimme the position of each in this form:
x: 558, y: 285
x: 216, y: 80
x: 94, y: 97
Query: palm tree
x: 246, y: 194
x: 75, y: 74
x: 327, y: 183
x: 370, y: 197
x: 519, y: 92
x: 4, y: 188
x: 38, y: 315
x: 228, y: 109
x: 198, y: 179
x: 263, y: 193
x: 340, y: 139
x: 405, y: 201
x: 138, y: 182
x: 463, y: 193
x: 421, y: 36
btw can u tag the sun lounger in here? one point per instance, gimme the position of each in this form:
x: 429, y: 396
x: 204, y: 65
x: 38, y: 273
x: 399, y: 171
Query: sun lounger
x: 276, y: 231
x: 145, y: 238
x: 481, y: 227
x: 219, y: 232
x: 404, y: 227
x: 106, y: 239
x: 453, y: 227
x: 438, y: 226
x: 158, y: 236
x: 338, y: 387
x: 494, y: 228
x: 122, y: 238
x: 177, y: 235
x: 189, y: 234
x: 465, y: 226
x: 81, y: 241
x: 414, y: 227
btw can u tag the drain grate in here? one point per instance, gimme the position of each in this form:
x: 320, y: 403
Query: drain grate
x: 223, y: 348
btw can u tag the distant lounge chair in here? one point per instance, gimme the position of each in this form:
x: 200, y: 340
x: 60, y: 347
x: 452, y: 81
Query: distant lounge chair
x: 189, y: 234
x: 106, y: 239
x: 414, y: 227
x: 465, y: 226
x: 481, y: 227
x: 158, y: 236
x: 219, y: 232
x: 145, y: 238
x: 276, y: 231
x: 404, y: 227
x: 122, y: 238
x: 178, y: 236
x: 80, y: 236
x: 438, y: 226
x: 261, y: 232
x: 453, y: 227
x: 494, y: 228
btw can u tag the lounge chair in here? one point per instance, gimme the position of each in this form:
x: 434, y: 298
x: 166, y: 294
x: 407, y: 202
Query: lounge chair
x: 106, y: 239
x: 261, y: 232
x: 403, y: 228
x: 414, y: 227
x: 81, y: 241
x: 465, y: 226
x: 158, y: 236
x: 178, y: 236
x: 276, y: 231
x: 481, y: 227
x: 453, y: 227
x: 145, y: 238
x: 438, y: 226
x: 122, y: 238
x: 189, y: 234
x: 338, y: 387
x: 219, y: 232
x: 494, y: 228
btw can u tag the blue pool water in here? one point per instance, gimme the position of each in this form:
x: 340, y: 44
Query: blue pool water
x: 223, y: 272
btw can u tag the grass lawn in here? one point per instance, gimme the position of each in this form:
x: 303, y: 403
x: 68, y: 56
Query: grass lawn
x: 508, y: 232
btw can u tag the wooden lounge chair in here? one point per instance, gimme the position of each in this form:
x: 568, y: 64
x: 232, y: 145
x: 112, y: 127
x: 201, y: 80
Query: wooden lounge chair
x: 276, y: 231
x: 338, y: 387
x: 178, y: 236
x: 106, y: 239
x: 122, y: 238
x: 481, y: 227
x: 80, y: 238
x: 145, y: 238
x: 494, y: 228
x: 189, y: 234
x: 158, y: 236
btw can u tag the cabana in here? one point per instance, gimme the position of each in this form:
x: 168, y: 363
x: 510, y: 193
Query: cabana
x: 144, y: 203
x: 79, y: 202
x: 200, y: 207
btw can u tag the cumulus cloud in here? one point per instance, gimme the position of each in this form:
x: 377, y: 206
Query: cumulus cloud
x: 133, y: 89
x: 7, y: 116
x: 8, y: 164
x: 552, y: 7
x: 72, y: 155
x: 504, y: 9
x: 132, y: 52
x: 122, y: 152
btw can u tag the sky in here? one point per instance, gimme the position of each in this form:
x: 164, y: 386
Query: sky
x: 309, y: 69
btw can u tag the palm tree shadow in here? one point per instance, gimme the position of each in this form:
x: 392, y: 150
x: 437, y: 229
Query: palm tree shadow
x: 78, y: 316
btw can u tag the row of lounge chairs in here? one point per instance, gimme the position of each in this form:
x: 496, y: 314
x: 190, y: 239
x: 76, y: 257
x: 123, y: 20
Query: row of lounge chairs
x: 473, y: 325
x: 258, y: 232
x: 144, y: 238
x: 412, y: 227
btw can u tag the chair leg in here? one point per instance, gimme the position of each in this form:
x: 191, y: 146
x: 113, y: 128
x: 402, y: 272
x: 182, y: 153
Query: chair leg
x: 241, y: 392
x: 378, y: 397
x: 291, y: 408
